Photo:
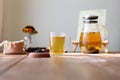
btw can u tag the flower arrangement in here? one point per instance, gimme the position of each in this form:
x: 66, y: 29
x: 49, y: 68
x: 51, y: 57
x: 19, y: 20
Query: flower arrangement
x: 29, y: 30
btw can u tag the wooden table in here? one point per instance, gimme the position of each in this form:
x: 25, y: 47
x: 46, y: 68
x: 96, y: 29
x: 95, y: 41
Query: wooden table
x: 70, y: 66
x: 8, y: 61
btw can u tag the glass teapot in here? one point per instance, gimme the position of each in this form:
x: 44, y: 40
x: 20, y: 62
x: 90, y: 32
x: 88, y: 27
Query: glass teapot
x: 90, y: 38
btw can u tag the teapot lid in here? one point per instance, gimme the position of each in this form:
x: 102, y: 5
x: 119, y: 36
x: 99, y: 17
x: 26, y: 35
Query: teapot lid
x: 89, y: 17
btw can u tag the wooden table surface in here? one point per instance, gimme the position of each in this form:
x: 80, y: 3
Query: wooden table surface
x: 70, y: 66
x: 8, y: 61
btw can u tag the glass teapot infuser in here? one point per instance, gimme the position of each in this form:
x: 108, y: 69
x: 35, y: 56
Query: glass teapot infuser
x: 90, y: 38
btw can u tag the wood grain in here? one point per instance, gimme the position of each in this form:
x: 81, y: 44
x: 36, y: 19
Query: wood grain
x: 67, y: 67
x: 8, y: 61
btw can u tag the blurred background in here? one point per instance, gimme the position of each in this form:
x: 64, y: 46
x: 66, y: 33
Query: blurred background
x: 55, y: 15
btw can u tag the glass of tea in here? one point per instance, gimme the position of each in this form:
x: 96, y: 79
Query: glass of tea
x: 57, y: 43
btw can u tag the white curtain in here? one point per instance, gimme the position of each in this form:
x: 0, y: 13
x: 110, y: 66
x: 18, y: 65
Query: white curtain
x: 1, y: 20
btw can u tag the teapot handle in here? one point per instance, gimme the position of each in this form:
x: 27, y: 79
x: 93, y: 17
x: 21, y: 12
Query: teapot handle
x: 104, y: 35
x: 103, y: 31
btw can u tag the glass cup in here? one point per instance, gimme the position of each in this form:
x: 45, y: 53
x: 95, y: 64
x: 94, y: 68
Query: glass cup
x: 57, y: 43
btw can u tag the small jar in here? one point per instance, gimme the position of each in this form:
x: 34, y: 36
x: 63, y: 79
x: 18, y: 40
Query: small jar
x: 90, y: 38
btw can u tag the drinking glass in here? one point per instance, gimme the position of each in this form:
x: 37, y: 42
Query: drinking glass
x: 57, y: 43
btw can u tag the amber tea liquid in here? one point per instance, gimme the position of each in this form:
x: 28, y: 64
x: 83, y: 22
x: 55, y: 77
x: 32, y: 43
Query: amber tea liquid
x: 57, y: 44
x: 90, y: 42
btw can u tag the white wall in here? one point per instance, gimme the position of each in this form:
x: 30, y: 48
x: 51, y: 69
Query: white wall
x: 57, y: 15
